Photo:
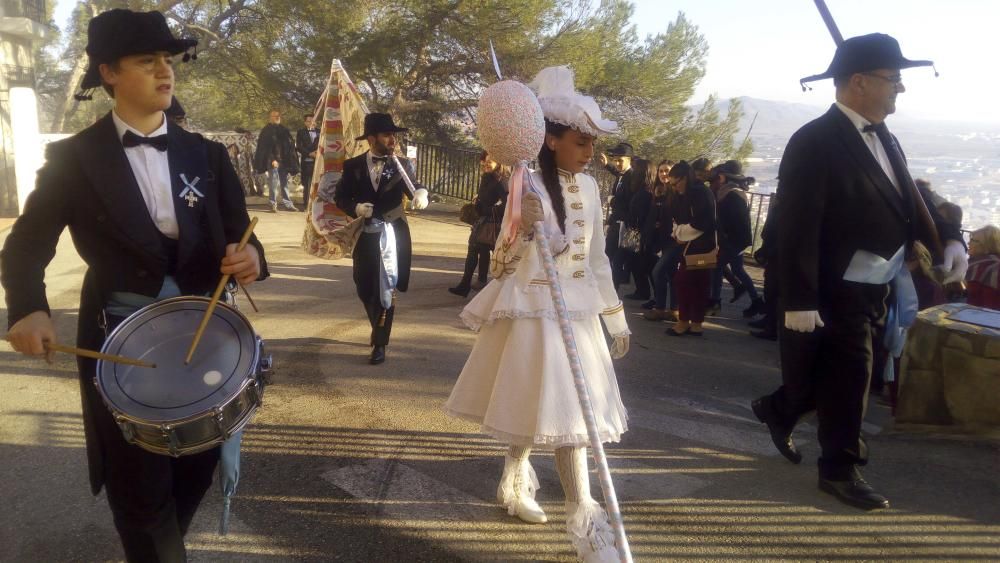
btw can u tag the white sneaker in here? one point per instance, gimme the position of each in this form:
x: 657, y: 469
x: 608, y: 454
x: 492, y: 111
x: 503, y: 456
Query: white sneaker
x: 517, y: 489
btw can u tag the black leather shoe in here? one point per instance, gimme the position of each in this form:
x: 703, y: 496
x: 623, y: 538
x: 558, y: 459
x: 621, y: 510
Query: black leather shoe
x: 781, y: 436
x: 855, y: 492
x: 460, y: 290
x: 378, y: 355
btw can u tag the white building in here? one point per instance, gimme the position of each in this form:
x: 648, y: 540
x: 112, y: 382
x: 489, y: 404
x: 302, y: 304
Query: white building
x: 22, y: 26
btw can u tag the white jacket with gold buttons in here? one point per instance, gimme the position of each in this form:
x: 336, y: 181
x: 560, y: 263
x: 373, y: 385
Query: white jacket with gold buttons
x: 520, y: 288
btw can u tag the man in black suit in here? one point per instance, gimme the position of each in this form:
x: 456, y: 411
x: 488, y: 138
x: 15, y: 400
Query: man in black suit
x: 849, y: 211
x: 372, y: 187
x: 620, y: 165
x: 155, y: 212
x: 306, y: 143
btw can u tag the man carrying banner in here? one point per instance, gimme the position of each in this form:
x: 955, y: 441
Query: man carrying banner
x: 372, y: 187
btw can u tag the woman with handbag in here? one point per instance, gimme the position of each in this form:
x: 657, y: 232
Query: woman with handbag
x: 694, y: 228
x: 489, y: 207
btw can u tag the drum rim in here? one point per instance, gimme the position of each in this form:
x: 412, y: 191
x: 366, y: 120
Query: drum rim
x: 117, y: 412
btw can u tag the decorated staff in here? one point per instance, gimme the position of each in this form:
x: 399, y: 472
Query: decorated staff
x: 372, y: 188
x: 155, y: 212
x: 540, y: 373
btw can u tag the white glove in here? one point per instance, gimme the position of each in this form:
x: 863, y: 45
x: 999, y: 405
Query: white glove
x: 803, y: 321
x: 619, y: 347
x: 531, y: 211
x: 364, y: 210
x: 420, y: 200
x: 956, y: 262
x: 686, y: 233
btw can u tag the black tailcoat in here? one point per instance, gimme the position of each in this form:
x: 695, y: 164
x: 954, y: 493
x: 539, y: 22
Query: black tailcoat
x: 87, y: 185
x: 835, y: 201
x: 354, y: 187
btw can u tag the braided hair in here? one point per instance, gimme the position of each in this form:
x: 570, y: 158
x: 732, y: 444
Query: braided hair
x: 550, y: 173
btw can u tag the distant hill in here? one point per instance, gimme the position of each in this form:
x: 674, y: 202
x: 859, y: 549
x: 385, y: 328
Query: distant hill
x: 776, y: 121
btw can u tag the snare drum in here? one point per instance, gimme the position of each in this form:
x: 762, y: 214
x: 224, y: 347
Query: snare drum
x: 178, y: 409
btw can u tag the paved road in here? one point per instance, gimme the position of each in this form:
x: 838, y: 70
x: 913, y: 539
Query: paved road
x: 350, y: 462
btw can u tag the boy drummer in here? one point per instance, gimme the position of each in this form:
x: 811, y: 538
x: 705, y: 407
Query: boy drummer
x: 155, y: 212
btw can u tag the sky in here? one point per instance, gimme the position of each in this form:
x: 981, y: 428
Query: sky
x: 761, y: 48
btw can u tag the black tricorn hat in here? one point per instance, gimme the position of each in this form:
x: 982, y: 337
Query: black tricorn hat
x: 119, y: 33
x: 866, y: 53
x: 622, y: 149
x: 376, y: 123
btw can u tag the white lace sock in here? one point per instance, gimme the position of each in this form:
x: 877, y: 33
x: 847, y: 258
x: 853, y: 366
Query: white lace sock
x: 586, y: 522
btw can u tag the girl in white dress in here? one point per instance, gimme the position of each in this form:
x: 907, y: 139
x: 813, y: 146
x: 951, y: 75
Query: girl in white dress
x: 517, y: 382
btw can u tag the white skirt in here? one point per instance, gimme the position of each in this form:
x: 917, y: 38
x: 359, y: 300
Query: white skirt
x: 518, y: 385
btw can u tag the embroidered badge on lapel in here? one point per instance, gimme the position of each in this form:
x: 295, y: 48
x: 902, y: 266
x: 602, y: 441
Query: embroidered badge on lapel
x: 190, y: 193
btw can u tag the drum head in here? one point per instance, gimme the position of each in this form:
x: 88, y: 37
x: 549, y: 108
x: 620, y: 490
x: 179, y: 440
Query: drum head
x: 161, y: 333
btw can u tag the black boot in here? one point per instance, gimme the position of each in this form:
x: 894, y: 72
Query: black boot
x: 460, y: 290
x: 756, y: 308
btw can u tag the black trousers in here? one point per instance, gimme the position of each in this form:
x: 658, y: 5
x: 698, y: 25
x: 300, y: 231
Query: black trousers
x: 153, y: 497
x: 306, y: 170
x: 828, y: 371
x: 772, y: 316
x: 478, y: 255
x: 367, y: 269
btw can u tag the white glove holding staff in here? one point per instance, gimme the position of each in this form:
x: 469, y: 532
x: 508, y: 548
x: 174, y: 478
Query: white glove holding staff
x: 619, y: 347
x: 420, y: 200
x: 364, y: 210
x: 803, y: 321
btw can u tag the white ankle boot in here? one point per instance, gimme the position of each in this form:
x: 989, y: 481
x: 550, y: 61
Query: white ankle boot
x: 590, y: 532
x: 517, y: 491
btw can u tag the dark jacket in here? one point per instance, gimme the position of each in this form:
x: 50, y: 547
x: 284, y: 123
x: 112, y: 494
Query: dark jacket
x: 734, y: 218
x: 696, y: 207
x: 304, y: 143
x: 621, y: 197
x: 275, y: 143
x: 355, y: 186
x: 491, y: 199
x: 835, y: 201
x: 87, y: 185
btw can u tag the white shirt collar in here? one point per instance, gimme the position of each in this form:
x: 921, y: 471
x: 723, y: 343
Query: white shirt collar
x: 122, y: 127
x: 856, y: 118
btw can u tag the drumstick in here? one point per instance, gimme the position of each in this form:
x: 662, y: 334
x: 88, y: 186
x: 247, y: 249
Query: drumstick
x: 97, y: 355
x: 250, y: 299
x: 216, y: 295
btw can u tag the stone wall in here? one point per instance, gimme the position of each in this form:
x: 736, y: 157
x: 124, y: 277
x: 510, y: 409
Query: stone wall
x: 950, y: 373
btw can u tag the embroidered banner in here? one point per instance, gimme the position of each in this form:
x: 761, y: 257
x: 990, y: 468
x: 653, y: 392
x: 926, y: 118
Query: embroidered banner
x: 330, y: 232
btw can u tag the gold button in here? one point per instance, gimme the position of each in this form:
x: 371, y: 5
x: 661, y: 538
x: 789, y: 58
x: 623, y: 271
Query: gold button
x: 578, y: 257
x: 573, y: 189
x: 578, y: 274
x: 576, y: 205
x: 579, y: 240
x: 579, y: 222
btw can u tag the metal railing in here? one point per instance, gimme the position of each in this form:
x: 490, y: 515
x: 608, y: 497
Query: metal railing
x: 31, y: 9
x: 447, y: 171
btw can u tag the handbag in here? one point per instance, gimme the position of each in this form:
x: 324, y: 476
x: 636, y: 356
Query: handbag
x: 487, y: 229
x: 629, y: 238
x: 704, y: 261
x: 468, y: 214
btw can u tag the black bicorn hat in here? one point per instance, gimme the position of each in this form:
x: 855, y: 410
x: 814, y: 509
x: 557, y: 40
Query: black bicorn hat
x: 376, y: 123
x: 119, y: 33
x: 622, y: 149
x: 866, y: 53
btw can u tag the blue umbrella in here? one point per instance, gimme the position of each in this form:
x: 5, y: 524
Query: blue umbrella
x: 229, y: 475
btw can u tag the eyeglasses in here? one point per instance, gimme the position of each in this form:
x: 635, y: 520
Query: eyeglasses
x: 895, y: 79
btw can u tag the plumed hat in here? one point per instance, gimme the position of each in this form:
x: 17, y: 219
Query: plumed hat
x: 561, y: 103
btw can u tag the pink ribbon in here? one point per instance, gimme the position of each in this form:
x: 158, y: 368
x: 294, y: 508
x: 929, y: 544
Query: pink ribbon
x: 515, y: 187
